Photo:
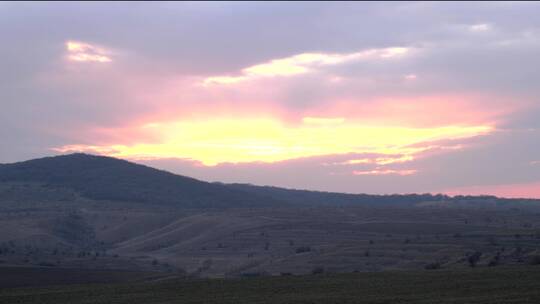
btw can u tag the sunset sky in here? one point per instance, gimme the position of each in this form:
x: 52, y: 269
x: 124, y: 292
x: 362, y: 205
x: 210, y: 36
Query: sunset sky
x: 351, y: 97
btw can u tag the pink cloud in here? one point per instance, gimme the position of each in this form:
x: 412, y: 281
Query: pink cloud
x: 85, y: 52
x: 385, y: 172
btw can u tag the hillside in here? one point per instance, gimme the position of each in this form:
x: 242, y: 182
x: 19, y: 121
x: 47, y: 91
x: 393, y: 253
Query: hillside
x: 320, y: 198
x: 105, y: 178
x: 84, y: 211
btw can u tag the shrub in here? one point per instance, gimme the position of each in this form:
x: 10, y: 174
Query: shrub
x: 181, y: 271
x: 535, y: 260
x: 493, y: 263
x: 251, y: 274
x: 474, y: 258
x: 303, y: 249
x: 317, y: 270
x: 433, y: 266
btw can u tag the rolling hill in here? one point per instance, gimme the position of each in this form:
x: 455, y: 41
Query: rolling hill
x: 106, y: 178
x: 94, y: 212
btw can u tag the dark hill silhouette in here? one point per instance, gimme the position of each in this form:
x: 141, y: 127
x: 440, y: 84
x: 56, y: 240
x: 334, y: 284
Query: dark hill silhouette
x: 297, y: 197
x: 321, y: 198
x: 106, y: 178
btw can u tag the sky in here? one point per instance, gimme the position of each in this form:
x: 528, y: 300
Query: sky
x: 370, y: 97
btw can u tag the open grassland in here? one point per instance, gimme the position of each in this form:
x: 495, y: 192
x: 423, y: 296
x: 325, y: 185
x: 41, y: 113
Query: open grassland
x: 471, y: 286
x: 236, y: 242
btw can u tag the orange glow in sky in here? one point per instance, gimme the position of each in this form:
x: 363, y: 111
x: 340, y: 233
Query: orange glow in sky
x: 304, y: 97
x: 269, y: 140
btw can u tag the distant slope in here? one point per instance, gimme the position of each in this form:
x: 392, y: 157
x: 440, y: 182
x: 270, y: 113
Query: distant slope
x: 106, y: 178
x: 320, y: 198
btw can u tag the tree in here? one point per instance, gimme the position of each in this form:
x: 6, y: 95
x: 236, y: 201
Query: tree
x: 535, y: 260
x: 433, y: 266
x: 474, y: 258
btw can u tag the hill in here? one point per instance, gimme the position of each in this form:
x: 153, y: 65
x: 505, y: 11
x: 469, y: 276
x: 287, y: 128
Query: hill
x: 93, y: 212
x: 320, y: 198
x: 106, y: 178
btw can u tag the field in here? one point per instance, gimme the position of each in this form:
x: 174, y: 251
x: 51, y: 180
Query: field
x: 471, y: 286
x: 13, y: 277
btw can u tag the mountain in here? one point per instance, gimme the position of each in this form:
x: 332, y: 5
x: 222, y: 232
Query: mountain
x: 106, y: 178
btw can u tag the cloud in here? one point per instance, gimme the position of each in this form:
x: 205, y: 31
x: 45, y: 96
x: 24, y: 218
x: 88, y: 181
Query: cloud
x: 440, y: 167
x: 85, y: 52
x: 385, y: 172
x: 480, y: 27
x: 304, y: 63
x: 387, y: 159
x: 323, y: 120
x: 410, y: 77
x: 308, y: 83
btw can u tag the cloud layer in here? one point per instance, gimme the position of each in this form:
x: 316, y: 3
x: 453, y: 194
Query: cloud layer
x: 354, y: 97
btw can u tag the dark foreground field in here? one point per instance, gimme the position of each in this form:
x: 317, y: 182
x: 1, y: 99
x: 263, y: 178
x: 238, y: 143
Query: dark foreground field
x: 487, y: 285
